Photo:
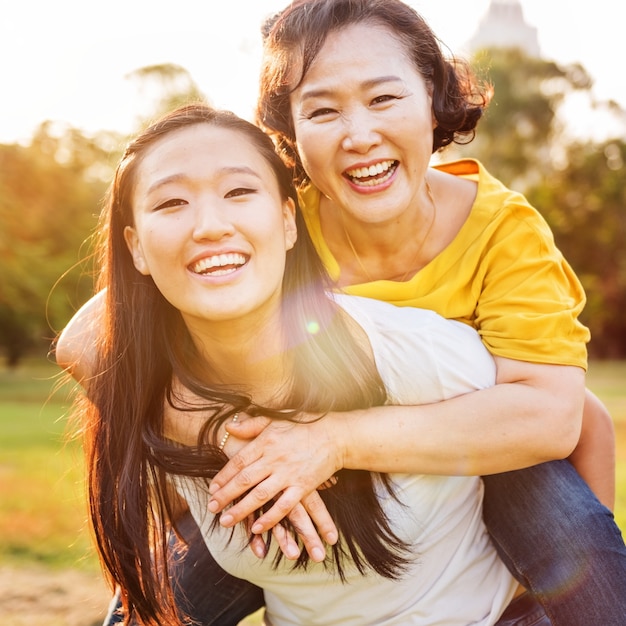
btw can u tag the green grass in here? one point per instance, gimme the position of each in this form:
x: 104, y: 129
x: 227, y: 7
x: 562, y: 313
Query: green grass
x: 607, y: 379
x: 42, y: 503
x: 42, y: 510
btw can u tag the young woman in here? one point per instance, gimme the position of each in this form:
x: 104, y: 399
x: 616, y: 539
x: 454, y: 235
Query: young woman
x: 206, y: 280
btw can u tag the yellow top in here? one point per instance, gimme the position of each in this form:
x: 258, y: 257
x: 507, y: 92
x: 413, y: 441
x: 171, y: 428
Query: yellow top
x: 501, y: 274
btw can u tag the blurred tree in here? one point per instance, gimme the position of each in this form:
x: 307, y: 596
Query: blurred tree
x: 521, y: 130
x: 164, y: 87
x: 49, y: 197
x: 585, y: 204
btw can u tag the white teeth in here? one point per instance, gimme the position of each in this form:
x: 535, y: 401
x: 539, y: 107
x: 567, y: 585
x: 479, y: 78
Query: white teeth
x: 228, y: 261
x: 372, y: 170
x: 371, y: 176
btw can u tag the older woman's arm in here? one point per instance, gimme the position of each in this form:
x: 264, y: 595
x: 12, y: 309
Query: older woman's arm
x: 533, y: 414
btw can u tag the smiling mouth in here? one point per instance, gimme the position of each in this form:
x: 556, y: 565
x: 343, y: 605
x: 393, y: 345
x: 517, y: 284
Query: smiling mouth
x: 218, y: 265
x: 372, y: 175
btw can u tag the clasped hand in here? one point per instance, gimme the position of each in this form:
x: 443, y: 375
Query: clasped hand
x: 285, y: 461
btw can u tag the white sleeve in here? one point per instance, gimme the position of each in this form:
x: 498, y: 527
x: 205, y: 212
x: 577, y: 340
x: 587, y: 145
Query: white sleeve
x: 421, y: 356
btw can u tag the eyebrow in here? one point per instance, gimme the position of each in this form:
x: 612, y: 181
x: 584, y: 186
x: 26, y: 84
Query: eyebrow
x: 367, y: 84
x: 223, y: 171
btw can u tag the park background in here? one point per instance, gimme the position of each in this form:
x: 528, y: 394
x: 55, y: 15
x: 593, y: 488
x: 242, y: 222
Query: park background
x: 550, y: 132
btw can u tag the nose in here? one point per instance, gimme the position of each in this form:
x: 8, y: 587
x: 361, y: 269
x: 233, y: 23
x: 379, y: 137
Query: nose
x: 212, y: 221
x: 360, y: 132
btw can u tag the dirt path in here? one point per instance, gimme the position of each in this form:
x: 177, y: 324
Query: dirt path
x: 42, y: 597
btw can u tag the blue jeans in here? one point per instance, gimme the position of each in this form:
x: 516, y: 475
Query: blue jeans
x: 548, y: 527
x: 203, y: 590
x: 560, y: 542
x: 524, y: 611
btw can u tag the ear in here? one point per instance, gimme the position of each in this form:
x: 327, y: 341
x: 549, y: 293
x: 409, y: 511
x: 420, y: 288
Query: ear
x: 132, y: 241
x: 289, y: 218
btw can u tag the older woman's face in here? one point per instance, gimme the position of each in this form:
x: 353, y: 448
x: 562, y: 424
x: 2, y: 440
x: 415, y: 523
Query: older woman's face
x: 364, y: 124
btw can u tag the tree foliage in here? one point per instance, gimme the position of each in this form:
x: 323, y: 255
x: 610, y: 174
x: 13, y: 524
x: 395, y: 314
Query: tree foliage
x: 164, y: 87
x: 49, y: 197
x: 521, y: 127
x: 585, y: 204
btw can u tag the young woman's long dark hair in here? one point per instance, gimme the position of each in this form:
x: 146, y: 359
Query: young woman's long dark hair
x: 293, y: 38
x: 144, y: 345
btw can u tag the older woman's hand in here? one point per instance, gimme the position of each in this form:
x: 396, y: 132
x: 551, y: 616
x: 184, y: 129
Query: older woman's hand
x: 286, y: 461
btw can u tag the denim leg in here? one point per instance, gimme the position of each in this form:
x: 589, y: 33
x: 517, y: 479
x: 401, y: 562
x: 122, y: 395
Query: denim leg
x: 560, y: 542
x: 524, y: 610
x: 203, y: 590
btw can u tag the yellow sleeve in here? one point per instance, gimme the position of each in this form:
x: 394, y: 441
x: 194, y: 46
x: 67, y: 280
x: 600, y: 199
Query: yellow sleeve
x: 530, y: 298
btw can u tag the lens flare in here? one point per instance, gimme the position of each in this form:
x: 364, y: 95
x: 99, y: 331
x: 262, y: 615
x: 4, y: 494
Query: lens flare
x: 312, y: 328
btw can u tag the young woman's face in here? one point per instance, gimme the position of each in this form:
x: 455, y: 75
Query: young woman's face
x: 210, y: 225
x: 364, y: 124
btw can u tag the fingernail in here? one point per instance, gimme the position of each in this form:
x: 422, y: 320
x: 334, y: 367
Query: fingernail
x: 331, y: 538
x: 259, y: 551
x: 226, y: 519
x: 257, y: 528
x: 213, y: 506
x: 318, y: 555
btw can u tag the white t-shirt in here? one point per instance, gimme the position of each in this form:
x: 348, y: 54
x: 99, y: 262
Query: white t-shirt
x: 457, y: 578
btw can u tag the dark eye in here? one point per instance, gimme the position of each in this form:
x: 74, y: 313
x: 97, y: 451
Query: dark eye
x: 239, y: 191
x: 321, y: 112
x: 172, y: 202
x: 384, y: 98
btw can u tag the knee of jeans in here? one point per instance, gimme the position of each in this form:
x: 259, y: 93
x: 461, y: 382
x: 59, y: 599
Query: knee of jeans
x: 550, y: 498
x: 545, y: 512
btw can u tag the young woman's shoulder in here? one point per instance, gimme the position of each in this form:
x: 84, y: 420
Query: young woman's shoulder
x: 421, y: 356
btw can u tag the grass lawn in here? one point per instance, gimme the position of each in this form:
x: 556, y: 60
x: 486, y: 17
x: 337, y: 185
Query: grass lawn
x: 608, y: 381
x: 42, y: 510
x: 42, y: 504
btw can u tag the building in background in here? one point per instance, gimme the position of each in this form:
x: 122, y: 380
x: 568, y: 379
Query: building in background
x: 504, y: 26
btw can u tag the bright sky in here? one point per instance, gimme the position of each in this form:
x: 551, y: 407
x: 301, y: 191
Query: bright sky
x: 66, y: 59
